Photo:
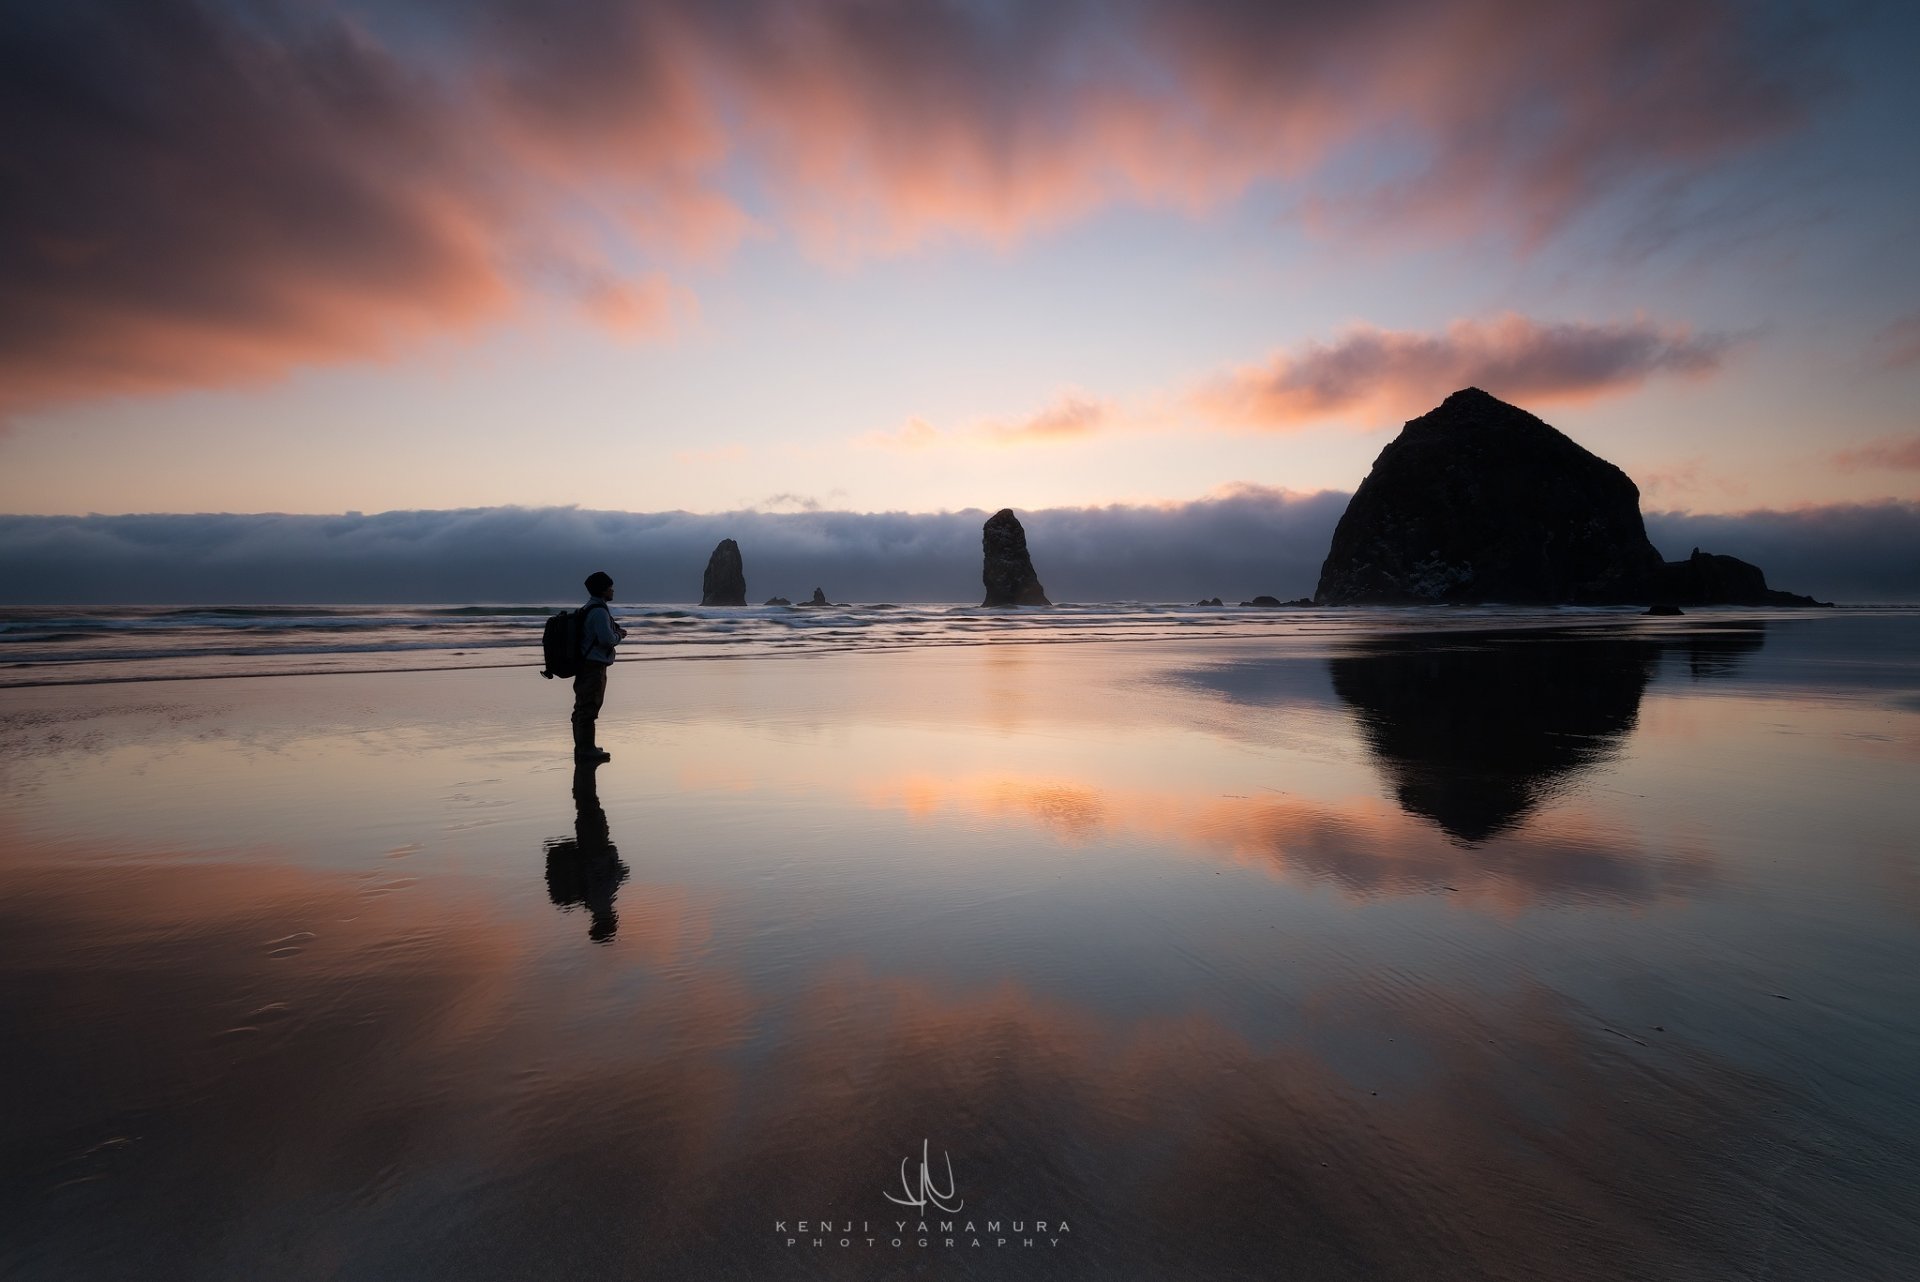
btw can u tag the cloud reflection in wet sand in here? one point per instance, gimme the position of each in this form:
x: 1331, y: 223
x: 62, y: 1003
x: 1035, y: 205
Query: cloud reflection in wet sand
x: 1366, y: 847
x: 435, y: 1099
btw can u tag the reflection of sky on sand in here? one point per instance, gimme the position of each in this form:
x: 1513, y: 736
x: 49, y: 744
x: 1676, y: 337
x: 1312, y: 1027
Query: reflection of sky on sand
x: 449, y: 1099
x: 1136, y: 939
x: 1364, y: 846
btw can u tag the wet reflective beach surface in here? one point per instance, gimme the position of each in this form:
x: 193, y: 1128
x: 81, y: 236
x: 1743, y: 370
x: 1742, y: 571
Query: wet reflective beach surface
x: 1571, y: 947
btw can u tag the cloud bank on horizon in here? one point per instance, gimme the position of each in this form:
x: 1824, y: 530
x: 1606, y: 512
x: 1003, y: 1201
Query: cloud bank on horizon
x: 213, y: 194
x: 1235, y: 545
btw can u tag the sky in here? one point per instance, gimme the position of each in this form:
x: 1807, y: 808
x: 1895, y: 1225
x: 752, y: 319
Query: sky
x: 871, y: 256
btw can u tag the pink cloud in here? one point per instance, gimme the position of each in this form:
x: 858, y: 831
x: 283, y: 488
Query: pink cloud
x: 219, y: 201
x: 1894, y: 454
x: 1068, y: 418
x: 1898, y: 345
x: 913, y: 435
x: 1377, y: 376
x: 1374, y: 374
x: 646, y: 308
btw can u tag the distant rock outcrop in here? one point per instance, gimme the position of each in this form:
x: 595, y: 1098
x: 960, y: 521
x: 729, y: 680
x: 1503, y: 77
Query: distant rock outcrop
x: 778, y: 600
x: 1708, y: 579
x: 1007, y: 569
x: 819, y: 598
x: 1212, y: 600
x: 1479, y: 501
x: 726, y: 578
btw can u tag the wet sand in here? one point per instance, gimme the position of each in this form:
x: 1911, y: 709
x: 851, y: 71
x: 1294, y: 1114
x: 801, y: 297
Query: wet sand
x: 1577, y: 953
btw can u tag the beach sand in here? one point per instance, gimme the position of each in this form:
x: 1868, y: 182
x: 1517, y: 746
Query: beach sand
x: 1557, y: 956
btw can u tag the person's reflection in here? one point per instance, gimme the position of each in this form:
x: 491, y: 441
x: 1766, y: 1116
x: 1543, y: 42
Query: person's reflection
x: 585, y: 869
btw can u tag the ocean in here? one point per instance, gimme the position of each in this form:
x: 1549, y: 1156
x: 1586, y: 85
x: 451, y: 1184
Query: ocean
x: 56, y: 645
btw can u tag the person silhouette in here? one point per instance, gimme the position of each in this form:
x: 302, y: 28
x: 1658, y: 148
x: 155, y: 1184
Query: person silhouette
x: 585, y: 870
x: 600, y: 635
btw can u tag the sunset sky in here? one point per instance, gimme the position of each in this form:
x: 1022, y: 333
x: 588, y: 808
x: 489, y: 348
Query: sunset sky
x: 876, y: 255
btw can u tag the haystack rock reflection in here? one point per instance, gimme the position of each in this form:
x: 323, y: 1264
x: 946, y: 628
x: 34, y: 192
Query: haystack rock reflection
x: 1475, y: 730
x: 585, y: 870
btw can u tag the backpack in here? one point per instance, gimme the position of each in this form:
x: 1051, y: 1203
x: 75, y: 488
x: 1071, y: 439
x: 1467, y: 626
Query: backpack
x: 564, y: 640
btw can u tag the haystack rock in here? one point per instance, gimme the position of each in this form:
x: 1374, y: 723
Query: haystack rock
x: 1479, y: 501
x: 1007, y: 570
x: 726, y: 579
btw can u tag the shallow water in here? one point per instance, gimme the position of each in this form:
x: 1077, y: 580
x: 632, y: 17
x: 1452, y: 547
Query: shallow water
x: 1540, y: 945
x: 67, y: 645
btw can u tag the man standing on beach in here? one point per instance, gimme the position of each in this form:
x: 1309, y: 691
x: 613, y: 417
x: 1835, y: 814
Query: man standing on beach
x: 599, y: 634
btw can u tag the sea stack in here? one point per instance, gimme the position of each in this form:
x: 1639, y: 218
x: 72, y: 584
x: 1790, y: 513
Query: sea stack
x: 1007, y: 569
x: 726, y: 579
x: 1479, y: 501
x: 1707, y: 578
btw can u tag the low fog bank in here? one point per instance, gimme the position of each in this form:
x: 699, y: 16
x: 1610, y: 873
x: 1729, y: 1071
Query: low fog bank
x: 1235, y: 547
x: 1862, y: 553
x: 1247, y: 542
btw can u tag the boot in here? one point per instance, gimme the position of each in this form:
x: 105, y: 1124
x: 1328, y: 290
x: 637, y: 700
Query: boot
x: 583, y: 746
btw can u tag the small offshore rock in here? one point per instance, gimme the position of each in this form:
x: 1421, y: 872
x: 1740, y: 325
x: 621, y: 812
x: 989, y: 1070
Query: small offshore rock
x: 1265, y: 602
x: 778, y: 600
x: 1006, y: 567
x: 1667, y: 609
x: 725, y: 582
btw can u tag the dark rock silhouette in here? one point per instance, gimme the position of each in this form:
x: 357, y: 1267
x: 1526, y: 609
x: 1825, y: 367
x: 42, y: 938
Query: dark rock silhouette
x: 1480, y: 501
x: 726, y: 578
x: 1665, y: 609
x: 1214, y: 600
x: 1473, y: 730
x: 1268, y: 602
x: 1007, y: 569
x: 778, y: 600
x: 819, y: 598
x: 1708, y: 579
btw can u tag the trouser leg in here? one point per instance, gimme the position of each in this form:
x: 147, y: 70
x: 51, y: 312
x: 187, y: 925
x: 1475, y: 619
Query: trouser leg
x: 589, y: 692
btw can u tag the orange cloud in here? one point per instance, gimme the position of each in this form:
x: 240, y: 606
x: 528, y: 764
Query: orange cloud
x: 915, y: 434
x: 1894, y: 454
x: 1071, y: 417
x: 1066, y: 419
x: 645, y: 308
x: 360, y: 194
x: 1365, y: 846
x: 1375, y: 374
x: 1378, y: 376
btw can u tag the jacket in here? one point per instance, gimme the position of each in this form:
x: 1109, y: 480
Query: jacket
x: 597, y: 637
